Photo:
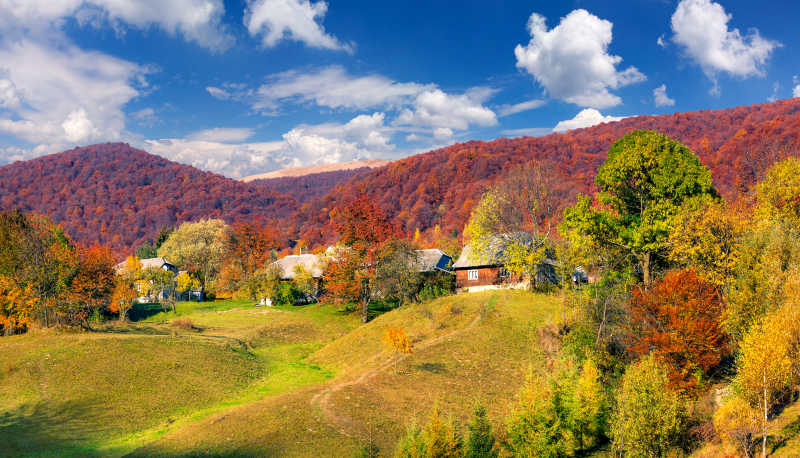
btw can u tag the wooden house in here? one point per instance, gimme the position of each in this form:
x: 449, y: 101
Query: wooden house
x: 476, y: 271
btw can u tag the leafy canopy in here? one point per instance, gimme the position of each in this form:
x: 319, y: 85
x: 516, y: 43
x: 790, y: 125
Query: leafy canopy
x: 643, y: 182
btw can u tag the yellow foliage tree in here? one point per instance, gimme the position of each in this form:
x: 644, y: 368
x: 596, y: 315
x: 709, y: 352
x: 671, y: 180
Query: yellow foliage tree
x: 125, y: 290
x: 704, y: 236
x: 779, y: 192
x: 17, y: 306
x: 737, y: 423
x: 764, y: 367
x: 396, y: 340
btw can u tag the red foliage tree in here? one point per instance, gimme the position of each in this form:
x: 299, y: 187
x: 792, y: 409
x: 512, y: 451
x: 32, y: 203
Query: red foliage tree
x: 678, y: 319
x: 361, y: 222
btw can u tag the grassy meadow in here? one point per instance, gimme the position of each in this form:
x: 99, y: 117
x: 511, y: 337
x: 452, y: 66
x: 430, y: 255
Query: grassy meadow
x: 229, y: 379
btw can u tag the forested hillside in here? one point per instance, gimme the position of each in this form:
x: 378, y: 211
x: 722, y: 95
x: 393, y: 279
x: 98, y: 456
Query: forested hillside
x: 120, y: 196
x: 442, y: 186
x: 308, y: 187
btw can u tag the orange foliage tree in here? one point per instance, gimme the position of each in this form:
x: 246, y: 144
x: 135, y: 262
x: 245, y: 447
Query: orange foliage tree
x: 679, y: 320
x: 93, y: 283
x: 397, y: 340
x: 17, y: 306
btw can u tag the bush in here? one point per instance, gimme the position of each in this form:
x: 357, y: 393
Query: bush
x: 185, y: 323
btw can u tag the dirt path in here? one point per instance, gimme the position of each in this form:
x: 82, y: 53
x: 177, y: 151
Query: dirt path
x: 342, y: 422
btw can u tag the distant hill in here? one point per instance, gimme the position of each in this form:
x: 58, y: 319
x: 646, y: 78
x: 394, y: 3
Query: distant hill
x: 119, y: 195
x: 317, y: 169
x: 441, y: 186
x: 304, y: 188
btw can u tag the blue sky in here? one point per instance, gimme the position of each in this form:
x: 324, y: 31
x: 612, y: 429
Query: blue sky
x: 249, y: 86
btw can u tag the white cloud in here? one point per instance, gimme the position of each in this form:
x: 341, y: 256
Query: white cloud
x: 443, y: 134
x: 224, y: 150
x: 296, y: 20
x: 198, y: 21
x: 419, y: 105
x: 232, y: 160
x: 586, y: 118
x: 701, y: 28
x: 146, y: 117
x: 333, y: 87
x: 776, y: 87
x: 660, y: 41
x: 223, y: 134
x: 661, y: 98
x: 796, y: 91
x: 9, y: 97
x: 435, y: 108
x: 507, y: 110
x: 218, y: 93
x: 571, y: 61
x: 78, y: 99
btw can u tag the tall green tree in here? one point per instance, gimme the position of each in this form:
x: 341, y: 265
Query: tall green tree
x: 643, y: 182
x: 481, y: 442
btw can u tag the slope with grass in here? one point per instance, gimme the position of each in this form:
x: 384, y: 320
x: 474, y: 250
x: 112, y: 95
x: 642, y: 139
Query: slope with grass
x: 229, y: 379
x: 468, y: 348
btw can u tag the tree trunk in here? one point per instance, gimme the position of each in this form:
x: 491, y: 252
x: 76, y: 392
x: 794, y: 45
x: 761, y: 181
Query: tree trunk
x: 766, y: 412
x: 645, y: 265
x: 364, y: 300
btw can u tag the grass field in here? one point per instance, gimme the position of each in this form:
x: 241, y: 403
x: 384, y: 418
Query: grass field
x: 242, y: 381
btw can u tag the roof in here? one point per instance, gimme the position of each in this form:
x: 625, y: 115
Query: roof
x: 310, y: 262
x: 146, y: 263
x: 495, y: 251
x: 432, y: 259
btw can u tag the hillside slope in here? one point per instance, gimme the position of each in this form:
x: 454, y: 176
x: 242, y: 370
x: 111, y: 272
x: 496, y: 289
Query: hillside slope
x: 441, y: 186
x: 304, y: 188
x: 115, y: 194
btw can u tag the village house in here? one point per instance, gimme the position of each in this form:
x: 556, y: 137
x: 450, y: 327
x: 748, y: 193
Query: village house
x: 156, y: 294
x: 476, y: 271
x: 433, y: 260
x: 312, y: 263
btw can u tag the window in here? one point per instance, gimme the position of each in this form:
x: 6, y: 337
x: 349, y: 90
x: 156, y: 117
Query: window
x: 472, y: 274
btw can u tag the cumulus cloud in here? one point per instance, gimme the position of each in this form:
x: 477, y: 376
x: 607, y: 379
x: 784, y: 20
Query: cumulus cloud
x: 507, y: 110
x: 661, y: 98
x: 297, y: 20
x: 435, y: 108
x: 700, y: 27
x: 79, y: 99
x: 198, y: 21
x: 333, y: 87
x: 416, y: 104
x: 224, y: 150
x: 571, y: 61
x: 586, y: 118
x: 234, y: 160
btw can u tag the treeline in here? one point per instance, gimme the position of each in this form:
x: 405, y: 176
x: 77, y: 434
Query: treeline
x: 46, y: 278
x: 690, y: 334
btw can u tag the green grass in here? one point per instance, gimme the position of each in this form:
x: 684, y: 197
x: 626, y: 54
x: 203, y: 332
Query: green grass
x: 289, y: 381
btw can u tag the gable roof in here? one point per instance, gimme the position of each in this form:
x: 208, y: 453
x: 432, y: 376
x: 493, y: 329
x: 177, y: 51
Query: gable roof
x: 432, y: 259
x: 495, y: 252
x: 147, y: 263
x: 310, y: 262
